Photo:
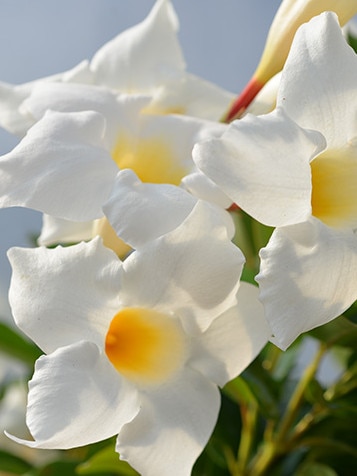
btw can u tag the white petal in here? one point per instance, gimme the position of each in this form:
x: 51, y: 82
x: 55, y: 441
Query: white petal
x: 172, y: 428
x: 71, y: 97
x: 56, y: 230
x: 180, y: 133
x: 233, y: 340
x: 192, y: 96
x: 62, y: 295
x: 262, y: 164
x: 192, y: 271
x: 118, y: 110
x: 159, y: 147
x: 140, y: 212
x: 202, y: 187
x: 318, y: 86
x: 11, y: 96
x: 265, y: 100
x: 308, y: 277
x: 76, y: 398
x: 142, y: 57
x: 60, y: 167
x: 10, y: 99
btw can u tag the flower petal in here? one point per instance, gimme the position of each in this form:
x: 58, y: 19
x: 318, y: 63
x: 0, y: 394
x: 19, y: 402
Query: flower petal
x: 56, y: 230
x: 11, y: 97
x: 262, y: 164
x: 48, y: 291
x: 142, y: 57
x: 233, y: 340
x: 71, y: 97
x: 118, y: 110
x: 60, y: 167
x: 192, y: 271
x: 318, y: 85
x: 192, y: 96
x: 202, y: 187
x: 307, y: 278
x: 76, y: 398
x: 172, y: 427
x: 140, y: 212
x: 265, y: 100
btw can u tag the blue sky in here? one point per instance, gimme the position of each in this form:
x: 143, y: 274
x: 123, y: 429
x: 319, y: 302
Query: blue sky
x: 222, y: 41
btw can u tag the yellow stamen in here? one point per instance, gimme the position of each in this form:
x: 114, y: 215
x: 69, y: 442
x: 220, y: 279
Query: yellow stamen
x: 152, y: 160
x: 334, y: 189
x: 144, y: 345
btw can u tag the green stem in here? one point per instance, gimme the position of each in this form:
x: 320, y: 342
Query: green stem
x: 249, y: 421
x: 280, y: 442
x: 297, y: 397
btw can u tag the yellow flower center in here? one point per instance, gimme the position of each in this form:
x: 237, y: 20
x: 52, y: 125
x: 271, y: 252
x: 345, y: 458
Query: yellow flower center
x: 334, y: 188
x: 144, y: 345
x: 151, y: 159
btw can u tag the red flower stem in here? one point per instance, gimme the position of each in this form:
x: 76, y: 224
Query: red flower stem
x: 243, y: 100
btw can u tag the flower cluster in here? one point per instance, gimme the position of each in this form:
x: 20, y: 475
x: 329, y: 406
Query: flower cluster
x: 139, y: 305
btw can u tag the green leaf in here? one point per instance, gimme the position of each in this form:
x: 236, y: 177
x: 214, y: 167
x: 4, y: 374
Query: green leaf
x: 255, y: 386
x: 239, y: 391
x: 16, y: 346
x: 57, y: 468
x: 106, y: 460
x: 314, y: 393
x: 340, y: 331
x: 352, y: 41
x: 314, y: 469
x: 264, y: 387
x: 13, y: 464
x: 222, y: 446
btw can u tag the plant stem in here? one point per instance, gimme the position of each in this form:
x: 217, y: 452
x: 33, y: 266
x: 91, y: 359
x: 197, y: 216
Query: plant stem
x: 249, y: 421
x: 280, y: 441
x: 297, y: 397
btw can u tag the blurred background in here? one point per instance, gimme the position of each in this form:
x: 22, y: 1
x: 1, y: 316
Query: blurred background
x: 221, y: 40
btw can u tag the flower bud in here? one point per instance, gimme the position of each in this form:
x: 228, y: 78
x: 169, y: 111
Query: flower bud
x: 290, y: 15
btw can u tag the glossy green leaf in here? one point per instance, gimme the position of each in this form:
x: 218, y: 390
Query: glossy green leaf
x: 340, y: 332
x: 13, y: 464
x: 17, y: 346
x: 57, y: 468
x: 352, y: 41
x: 106, y: 460
x: 314, y: 393
x: 264, y: 387
x: 240, y: 392
x: 314, y: 469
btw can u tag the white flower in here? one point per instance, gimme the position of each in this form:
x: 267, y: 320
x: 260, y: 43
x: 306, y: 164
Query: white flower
x: 296, y: 169
x: 138, y: 212
x: 66, y: 164
x: 289, y: 17
x: 145, y: 59
x: 136, y: 347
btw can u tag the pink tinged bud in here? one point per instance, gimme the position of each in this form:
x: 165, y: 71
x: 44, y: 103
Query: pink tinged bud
x: 290, y: 15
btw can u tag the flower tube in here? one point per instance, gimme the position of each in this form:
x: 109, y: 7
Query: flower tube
x: 290, y: 15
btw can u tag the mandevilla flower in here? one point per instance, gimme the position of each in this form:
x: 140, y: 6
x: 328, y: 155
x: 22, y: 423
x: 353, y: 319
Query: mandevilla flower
x: 145, y: 59
x: 296, y: 169
x: 67, y: 163
x: 137, y: 212
x: 290, y: 15
x: 136, y: 347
